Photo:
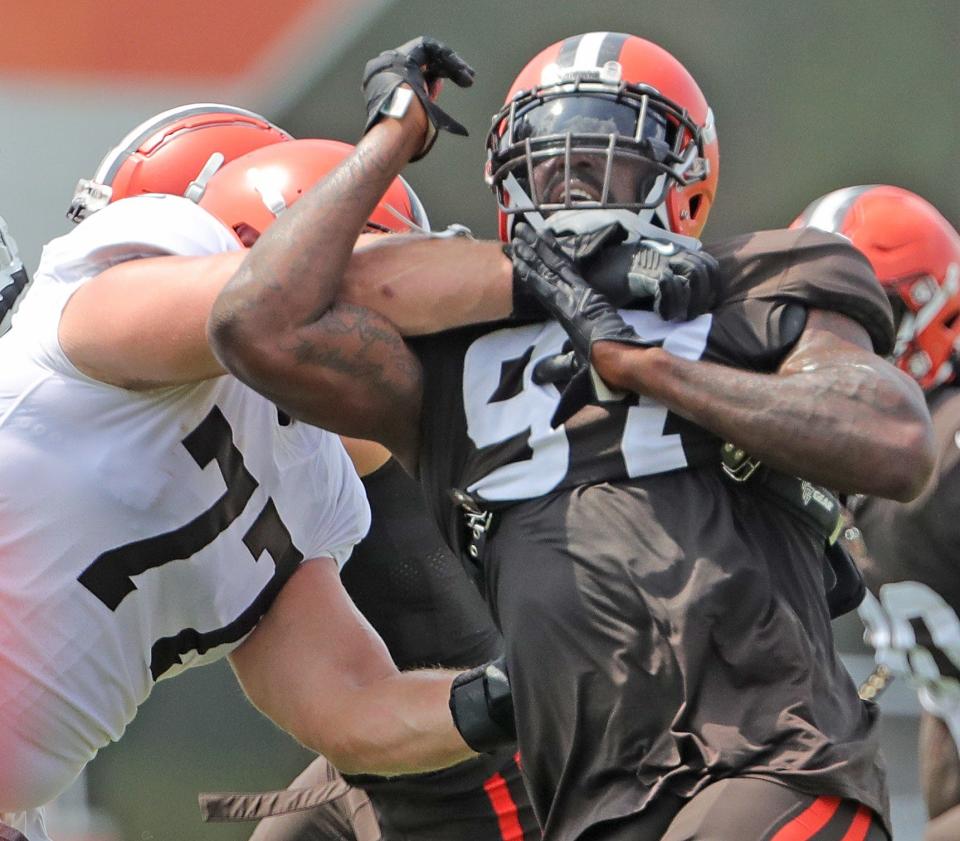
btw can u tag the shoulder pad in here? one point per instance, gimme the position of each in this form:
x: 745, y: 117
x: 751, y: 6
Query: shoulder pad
x: 817, y: 269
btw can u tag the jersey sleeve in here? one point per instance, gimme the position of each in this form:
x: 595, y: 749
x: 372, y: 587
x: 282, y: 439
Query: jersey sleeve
x: 918, y: 539
x: 130, y: 229
x: 142, y: 226
x: 765, y: 273
x: 343, y: 514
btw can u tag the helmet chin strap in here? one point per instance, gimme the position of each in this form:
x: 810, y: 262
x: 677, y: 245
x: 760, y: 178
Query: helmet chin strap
x: 519, y: 201
x: 638, y: 224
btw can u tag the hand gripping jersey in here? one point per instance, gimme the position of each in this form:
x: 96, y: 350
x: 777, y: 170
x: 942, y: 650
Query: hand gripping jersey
x: 141, y: 533
x: 504, y: 447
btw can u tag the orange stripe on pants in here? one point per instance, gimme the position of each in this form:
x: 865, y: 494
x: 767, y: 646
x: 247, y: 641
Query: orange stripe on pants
x: 810, y: 821
x: 860, y: 826
x: 504, y: 808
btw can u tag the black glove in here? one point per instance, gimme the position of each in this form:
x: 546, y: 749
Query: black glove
x: 547, y: 273
x: 682, y: 285
x: 420, y: 63
x: 677, y: 287
x: 482, y: 707
x: 589, y: 253
x: 541, y: 265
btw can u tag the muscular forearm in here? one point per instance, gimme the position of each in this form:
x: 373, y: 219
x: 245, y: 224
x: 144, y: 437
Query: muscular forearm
x: 426, y: 285
x: 318, y: 669
x: 854, y: 427
x: 406, y: 727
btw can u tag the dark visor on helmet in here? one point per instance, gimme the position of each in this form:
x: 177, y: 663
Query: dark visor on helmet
x: 584, y: 116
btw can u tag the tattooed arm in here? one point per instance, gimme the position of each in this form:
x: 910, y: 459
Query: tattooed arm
x: 277, y: 326
x: 834, y: 412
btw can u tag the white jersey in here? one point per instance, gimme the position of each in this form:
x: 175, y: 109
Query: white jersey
x: 141, y: 533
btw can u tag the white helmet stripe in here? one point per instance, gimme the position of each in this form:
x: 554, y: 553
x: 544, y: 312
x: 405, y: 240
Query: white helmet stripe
x: 588, y: 51
x: 827, y: 213
x: 117, y: 155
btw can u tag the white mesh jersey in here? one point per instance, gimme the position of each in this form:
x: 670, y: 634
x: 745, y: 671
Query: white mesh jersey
x: 141, y: 533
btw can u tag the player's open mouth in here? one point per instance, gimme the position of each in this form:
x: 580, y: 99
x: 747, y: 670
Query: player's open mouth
x: 577, y: 190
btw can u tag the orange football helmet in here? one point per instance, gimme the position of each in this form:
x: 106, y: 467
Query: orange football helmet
x: 248, y: 194
x: 623, y: 102
x: 915, y: 253
x: 173, y: 152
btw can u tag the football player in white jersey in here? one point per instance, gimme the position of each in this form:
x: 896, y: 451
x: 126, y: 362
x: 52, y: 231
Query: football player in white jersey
x: 158, y: 515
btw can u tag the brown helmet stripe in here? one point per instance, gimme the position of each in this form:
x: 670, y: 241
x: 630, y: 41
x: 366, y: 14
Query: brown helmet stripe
x: 611, y: 47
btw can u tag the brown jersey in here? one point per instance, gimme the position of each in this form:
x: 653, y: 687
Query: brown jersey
x: 664, y: 627
x: 487, y: 424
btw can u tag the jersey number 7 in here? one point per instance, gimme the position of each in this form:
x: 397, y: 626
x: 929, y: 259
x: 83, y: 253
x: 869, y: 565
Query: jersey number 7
x: 110, y: 576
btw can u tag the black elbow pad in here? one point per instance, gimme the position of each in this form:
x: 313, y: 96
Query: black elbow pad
x: 482, y: 707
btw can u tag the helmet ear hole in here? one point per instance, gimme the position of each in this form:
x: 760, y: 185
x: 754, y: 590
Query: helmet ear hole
x: 695, y: 202
x: 247, y: 234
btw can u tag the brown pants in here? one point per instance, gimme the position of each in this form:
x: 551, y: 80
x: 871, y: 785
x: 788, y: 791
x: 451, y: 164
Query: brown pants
x: 746, y: 809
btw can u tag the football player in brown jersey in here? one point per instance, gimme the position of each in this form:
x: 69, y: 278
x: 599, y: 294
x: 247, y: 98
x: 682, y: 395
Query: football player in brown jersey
x: 666, y: 626
x: 908, y: 552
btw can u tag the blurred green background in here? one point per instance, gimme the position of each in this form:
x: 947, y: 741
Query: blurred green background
x: 809, y: 96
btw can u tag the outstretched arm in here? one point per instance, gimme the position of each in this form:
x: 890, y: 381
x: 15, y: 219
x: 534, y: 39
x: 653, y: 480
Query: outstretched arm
x: 316, y: 667
x: 426, y: 285
x: 279, y: 324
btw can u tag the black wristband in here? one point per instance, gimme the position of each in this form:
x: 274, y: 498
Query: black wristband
x: 482, y: 707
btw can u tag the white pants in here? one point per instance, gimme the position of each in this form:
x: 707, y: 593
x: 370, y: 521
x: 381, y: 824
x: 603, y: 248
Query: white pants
x: 29, y: 823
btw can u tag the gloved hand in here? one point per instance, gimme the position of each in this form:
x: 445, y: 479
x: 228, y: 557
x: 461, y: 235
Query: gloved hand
x: 421, y: 63
x: 676, y: 283
x: 681, y: 285
x: 677, y: 286
x: 481, y: 704
x: 590, y: 249
x: 549, y: 275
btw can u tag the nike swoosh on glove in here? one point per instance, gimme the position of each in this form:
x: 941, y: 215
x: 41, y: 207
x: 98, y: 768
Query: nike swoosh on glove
x: 421, y: 63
